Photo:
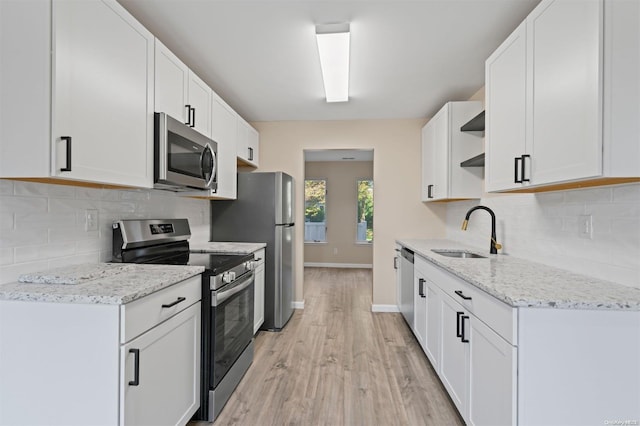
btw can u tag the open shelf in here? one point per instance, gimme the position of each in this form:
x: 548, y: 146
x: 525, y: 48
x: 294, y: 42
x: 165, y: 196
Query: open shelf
x: 476, y: 124
x: 477, y: 161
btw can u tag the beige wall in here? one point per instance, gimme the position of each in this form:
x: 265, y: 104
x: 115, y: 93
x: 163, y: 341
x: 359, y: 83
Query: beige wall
x: 398, y: 211
x: 340, y: 247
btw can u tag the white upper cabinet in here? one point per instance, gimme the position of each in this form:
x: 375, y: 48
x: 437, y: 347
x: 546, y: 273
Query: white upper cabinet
x: 444, y: 147
x: 90, y: 103
x: 224, y: 122
x: 180, y: 92
x: 248, y: 144
x: 560, y: 98
x: 505, y: 110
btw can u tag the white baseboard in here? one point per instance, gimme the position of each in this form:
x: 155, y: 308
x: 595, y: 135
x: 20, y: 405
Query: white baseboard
x: 298, y: 304
x: 339, y: 265
x: 384, y: 308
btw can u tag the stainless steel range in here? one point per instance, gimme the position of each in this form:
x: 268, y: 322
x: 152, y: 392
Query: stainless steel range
x: 227, y: 300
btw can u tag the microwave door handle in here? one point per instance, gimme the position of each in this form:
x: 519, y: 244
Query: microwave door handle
x: 213, y: 165
x: 242, y: 284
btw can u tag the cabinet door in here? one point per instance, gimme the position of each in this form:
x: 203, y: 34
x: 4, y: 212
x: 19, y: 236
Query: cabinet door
x: 258, y: 301
x: 224, y: 132
x: 248, y: 140
x: 492, y: 377
x: 200, y: 101
x: 103, y: 94
x: 565, y: 48
x: 454, y: 364
x: 434, y: 325
x: 172, y: 77
x: 253, y: 145
x: 441, y: 153
x: 428, y: 162
x: 160, y: 376
x: 505, y: 132
x: 420, y: 308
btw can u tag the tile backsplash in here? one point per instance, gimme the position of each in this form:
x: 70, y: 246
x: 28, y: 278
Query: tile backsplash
x: 545, y: 228
x: 42, y: 226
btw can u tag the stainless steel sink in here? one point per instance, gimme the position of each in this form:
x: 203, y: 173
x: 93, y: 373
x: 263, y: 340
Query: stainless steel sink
x: 458, y: 253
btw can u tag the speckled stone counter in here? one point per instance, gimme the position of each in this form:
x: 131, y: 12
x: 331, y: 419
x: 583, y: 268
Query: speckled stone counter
x: 226, y: 247
x: 98, y: 283
x: 521, y: 283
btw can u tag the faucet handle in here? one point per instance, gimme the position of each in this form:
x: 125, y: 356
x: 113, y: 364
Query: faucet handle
x: 496, y: 244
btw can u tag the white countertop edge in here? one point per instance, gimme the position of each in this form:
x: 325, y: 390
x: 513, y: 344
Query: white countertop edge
x: 226, y: 247
x: 117, y: 289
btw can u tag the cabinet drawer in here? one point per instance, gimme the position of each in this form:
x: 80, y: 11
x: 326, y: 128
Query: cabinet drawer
x: 496, y: 314
x: 143, y: 314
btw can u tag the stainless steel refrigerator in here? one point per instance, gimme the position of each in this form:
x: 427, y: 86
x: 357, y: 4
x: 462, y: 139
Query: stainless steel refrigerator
x: 264, y: 212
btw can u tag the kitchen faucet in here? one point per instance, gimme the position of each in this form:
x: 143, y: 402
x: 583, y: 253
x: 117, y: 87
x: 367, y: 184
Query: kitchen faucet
x: 495, y: 246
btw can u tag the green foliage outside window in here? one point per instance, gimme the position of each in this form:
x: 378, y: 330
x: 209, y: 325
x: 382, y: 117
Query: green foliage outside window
x: 365, y: 208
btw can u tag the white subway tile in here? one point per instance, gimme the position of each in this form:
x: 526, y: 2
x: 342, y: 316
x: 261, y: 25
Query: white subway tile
x: 61, y: 205
x: 6, y: 256
x: 629, y: 193
x: 76, y: 259
x: 33, y: 189
x: 6, y: 221
x: 10, y: 273
x: 44, y: 220
x: 22, y: 204
x: 23, y: 237
x: 43, y: 252
x: 590, y: 195
x: 61, y: 235
x: 623, y: 209
x: 83, y: 193
x: 134, y: 195
x: 6, y: 187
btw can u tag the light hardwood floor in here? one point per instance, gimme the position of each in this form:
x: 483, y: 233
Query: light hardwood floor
x: 337, y: 363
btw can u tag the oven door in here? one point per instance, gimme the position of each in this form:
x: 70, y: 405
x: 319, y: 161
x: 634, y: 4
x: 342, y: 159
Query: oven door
x: 231, y: 324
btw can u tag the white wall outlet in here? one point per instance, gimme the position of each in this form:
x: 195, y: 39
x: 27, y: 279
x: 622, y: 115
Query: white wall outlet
x: 91, y: 220
x: 585, y: 226
x: 335, y: 250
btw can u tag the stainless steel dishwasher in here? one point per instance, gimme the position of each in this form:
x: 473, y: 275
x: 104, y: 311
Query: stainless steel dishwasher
x: 406, y: 285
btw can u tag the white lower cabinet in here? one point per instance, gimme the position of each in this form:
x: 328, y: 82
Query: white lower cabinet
x: 454, y: 365
x: 503, y: 365
x: 258, y: 300
x: 420, y: 308
x: 80, y: 364
x: 434, y: 312
x: 492, y: 376
x: 160, y: 381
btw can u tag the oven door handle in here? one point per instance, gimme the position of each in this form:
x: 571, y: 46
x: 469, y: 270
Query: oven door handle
x: 219, y: 297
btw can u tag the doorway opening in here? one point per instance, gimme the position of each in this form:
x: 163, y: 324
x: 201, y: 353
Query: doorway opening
x: 339, y: 208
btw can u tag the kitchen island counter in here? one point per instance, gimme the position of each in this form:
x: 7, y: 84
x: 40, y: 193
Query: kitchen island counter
x: 522, y: 283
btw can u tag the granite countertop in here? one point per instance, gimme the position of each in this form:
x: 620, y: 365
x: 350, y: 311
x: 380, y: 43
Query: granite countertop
x: 522, y: 283
x: 96, y: 283
x: 226, y: 247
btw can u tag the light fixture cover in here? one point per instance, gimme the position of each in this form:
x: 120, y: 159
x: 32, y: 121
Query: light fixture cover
x: 333, y: 47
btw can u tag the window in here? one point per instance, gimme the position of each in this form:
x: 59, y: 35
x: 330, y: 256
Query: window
x: 364, y: 221
x: 315, y: 196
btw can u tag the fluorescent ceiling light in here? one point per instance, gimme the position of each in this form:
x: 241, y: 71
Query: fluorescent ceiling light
x: 333, y: 47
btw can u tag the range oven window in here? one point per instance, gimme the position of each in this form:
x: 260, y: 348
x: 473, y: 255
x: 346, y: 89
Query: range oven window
x: 231, y: 323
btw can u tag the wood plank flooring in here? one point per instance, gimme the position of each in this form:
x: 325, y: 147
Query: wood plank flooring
x: 337, y: 363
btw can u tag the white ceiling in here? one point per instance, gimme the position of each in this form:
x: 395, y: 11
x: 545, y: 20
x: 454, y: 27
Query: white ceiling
x: 407, y: 57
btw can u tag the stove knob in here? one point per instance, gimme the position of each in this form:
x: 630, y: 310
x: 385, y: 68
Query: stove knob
x: 227, y: 277
x: 249, y: 265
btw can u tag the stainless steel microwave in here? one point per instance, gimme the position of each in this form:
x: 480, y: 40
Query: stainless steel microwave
x: 184, y: 159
